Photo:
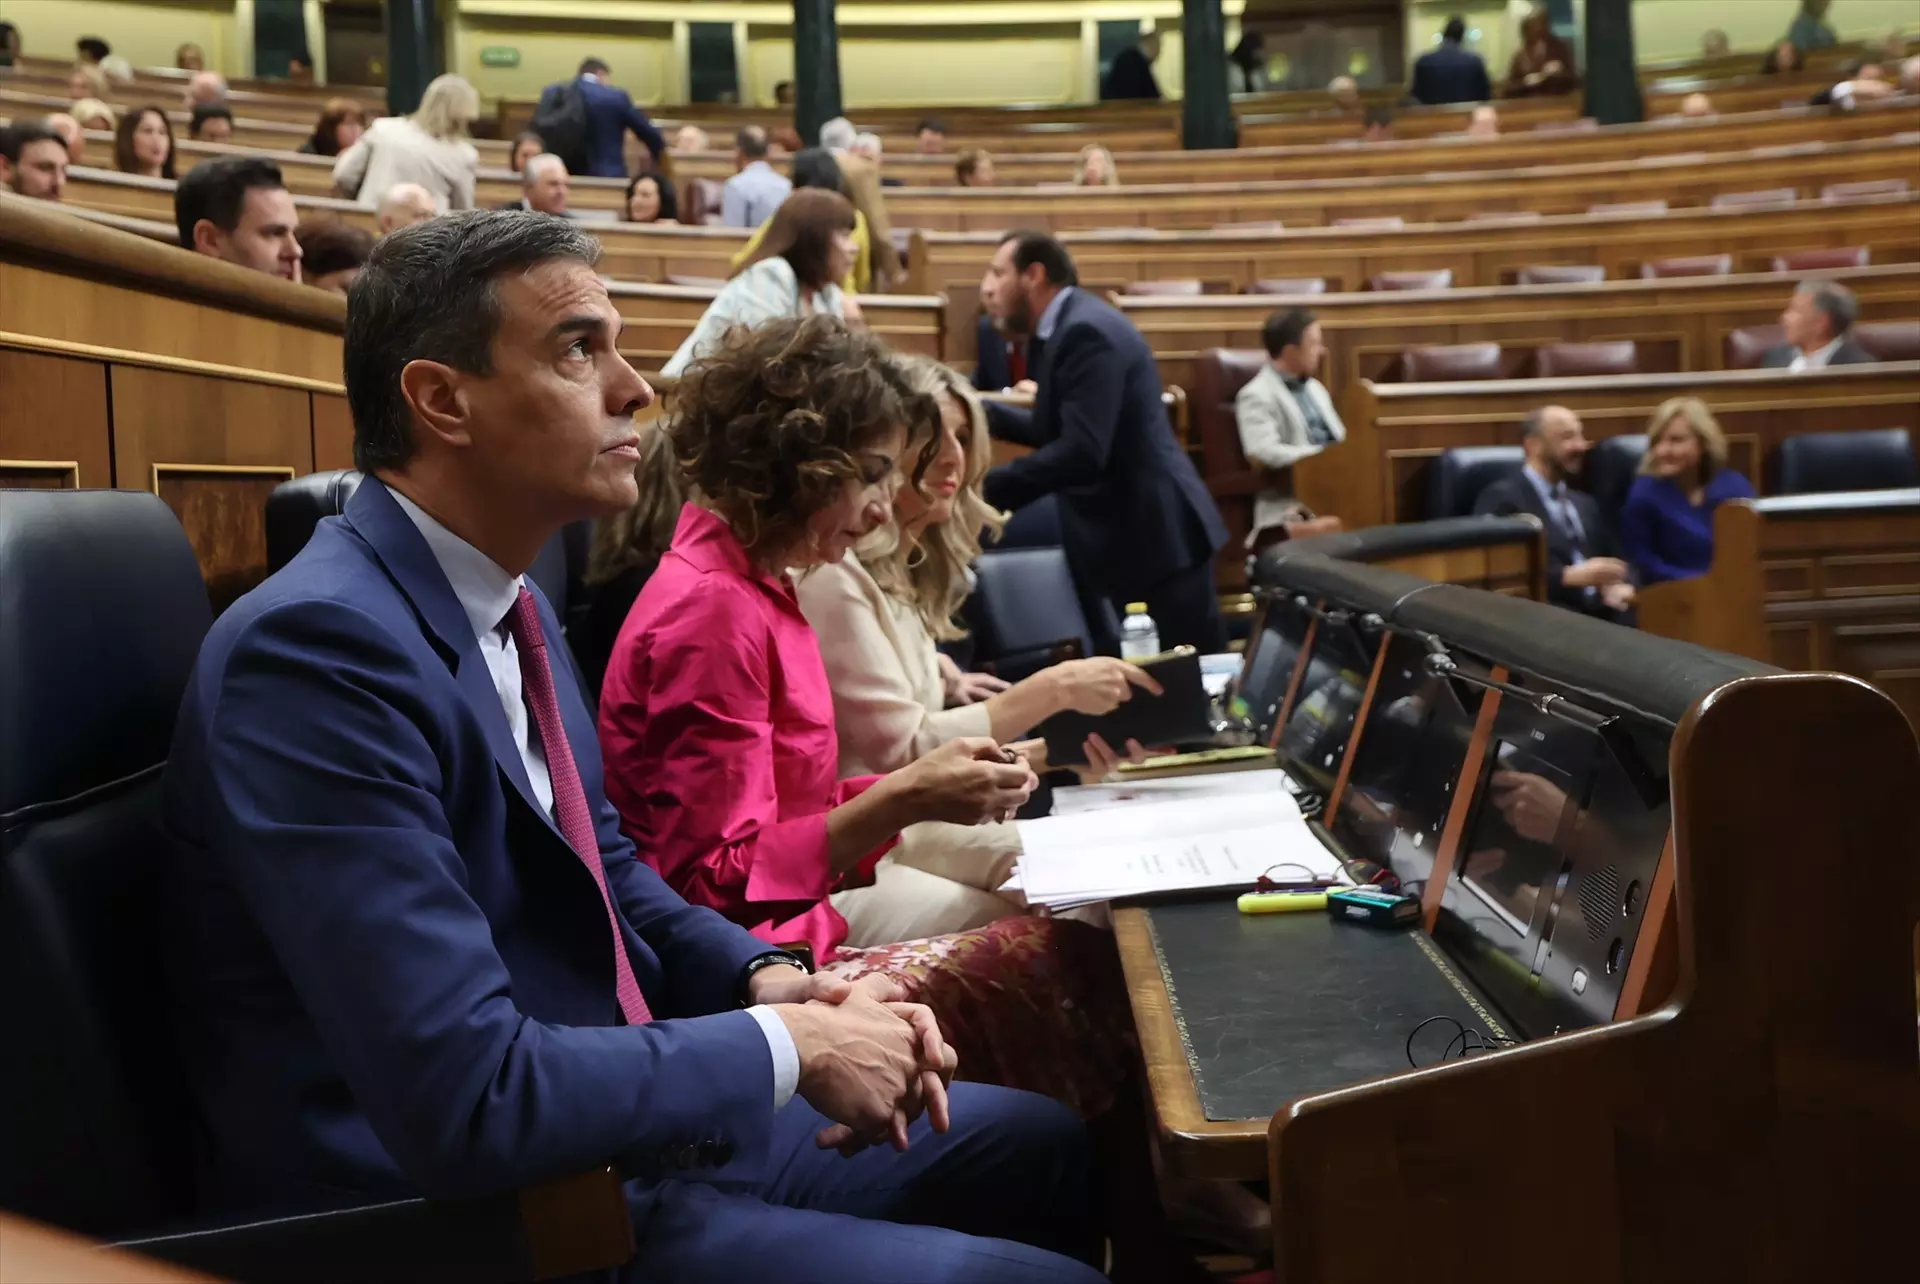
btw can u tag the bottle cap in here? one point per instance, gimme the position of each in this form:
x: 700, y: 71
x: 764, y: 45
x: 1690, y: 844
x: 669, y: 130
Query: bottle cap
x: 1136, y: 608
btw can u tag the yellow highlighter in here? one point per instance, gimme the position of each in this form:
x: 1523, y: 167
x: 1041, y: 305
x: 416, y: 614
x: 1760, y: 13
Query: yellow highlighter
x: 1280, y: 902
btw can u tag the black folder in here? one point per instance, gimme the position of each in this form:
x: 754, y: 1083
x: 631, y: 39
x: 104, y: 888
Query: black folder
x: 1181, y: 714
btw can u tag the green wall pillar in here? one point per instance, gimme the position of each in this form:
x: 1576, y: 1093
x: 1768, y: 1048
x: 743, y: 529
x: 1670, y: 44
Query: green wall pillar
x: 816, y: 68
x: 414, y: 54
x: 1613, y: 86
x: 1206, y: 119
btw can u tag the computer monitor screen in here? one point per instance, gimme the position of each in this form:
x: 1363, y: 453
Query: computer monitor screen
x: 1272, y: 653
x: 1544, y: 904
x: 1314, y: 739
x: 1406, y: 766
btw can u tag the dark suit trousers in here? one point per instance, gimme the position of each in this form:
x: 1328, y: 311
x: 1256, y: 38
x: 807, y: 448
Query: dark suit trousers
x: 1185, y: 608
x: 1005, y: 1197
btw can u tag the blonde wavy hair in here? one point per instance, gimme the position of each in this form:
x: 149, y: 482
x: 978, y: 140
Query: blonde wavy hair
x: 930, y: 574
x: 1080, y: 167
x: 447, y: 107
x: 1706, y: 429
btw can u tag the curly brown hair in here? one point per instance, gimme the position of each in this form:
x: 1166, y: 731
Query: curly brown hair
x: 766, y: 425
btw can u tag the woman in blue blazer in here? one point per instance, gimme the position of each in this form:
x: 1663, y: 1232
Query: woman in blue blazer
x: 1666, y: 528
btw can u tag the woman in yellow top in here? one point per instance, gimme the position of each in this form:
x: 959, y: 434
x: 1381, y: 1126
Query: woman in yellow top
x: 816, y: 167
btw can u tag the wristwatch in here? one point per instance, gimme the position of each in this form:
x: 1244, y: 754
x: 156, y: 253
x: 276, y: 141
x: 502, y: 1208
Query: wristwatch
x: 771, y: 958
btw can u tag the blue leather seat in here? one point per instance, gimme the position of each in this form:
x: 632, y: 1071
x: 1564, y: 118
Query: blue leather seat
x: 1024, y: 612
x: 1818, y: 463
x: 1610, y: 469
x: 1460, y: 474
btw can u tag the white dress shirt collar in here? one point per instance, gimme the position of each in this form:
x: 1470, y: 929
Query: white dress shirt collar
x: 1050, y: 318
x: 1818, y: 358
x: 485, y: 590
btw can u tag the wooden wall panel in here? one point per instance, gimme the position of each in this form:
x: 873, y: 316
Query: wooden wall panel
x: 55, y: 430
x: 332, y: 433
x: 213, y: 449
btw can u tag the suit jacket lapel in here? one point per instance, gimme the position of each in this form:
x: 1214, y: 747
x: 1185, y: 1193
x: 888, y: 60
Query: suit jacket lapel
x: 403, y: 550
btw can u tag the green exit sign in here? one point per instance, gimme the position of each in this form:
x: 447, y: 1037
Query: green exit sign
x: 499, y: 56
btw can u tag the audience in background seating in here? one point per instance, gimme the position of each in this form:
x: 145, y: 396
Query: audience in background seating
x: 817, y: 167
x: 33, y: 160
x: 651, y: 199
x: 1865, y: 82
x: 610, y: 115
x: 91, y: 113
x: 211, y: 123
x: 1784, y: 57
x: 691, y: 138
x: 1095, y: 168
x: 974, y: 168
x: 1378, y: 125
x: 1666, y: 525
x: 86, y: 80
x: 143, y: 143
x: 526, y: 146
x: 404, y: 205
x: 1131, y: 75
x: 930, y: 139
x: 1137, y: 522
x: 331, y: 252
x: 756, y: 189
x: 341, y: 123
x: 204, y: 88
x: 1247, y: 65
x: 71, y: 134
x: 92, y: 49
x: 9, y: 44
x: 1714, y: 44
x: 861, y: 179
x: 1696, y: 106
x: 431, y: 147
x: 238, y: 208
x: 545, y: 186
x: 1819, y: 323
x: 1345, y: 93
x: 1810, y: 29
x: 190, y: 57
x: 1584, y: 570
x: 1484, y: 122
x: 1544, y: 63
x: 1285, y: 414
x: 1450, y: 74
x: 868, y: 147
x: 783, y: 93
x: 794, y: 270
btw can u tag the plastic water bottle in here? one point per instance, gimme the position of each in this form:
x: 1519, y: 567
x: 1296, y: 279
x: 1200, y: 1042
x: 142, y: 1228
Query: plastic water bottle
x: 1139, y: 635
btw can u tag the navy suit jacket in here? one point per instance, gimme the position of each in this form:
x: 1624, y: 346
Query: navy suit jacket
x: 1132, y: 508
x: 610, y: 114
x: 1515, y: 494
x: 1450, y: 74
x: 392, y: 974
x: 1849, y: 353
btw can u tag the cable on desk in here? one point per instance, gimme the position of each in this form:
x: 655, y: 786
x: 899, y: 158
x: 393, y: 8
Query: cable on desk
x: 1468, y: 1040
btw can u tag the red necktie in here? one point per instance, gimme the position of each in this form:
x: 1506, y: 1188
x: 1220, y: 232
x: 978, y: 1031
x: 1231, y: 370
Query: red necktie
x: 569, y: 799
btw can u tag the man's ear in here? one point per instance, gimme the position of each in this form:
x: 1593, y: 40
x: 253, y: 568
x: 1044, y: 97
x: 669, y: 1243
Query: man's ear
x: 6, y: 172
x: 206, y: 238
x: 437, y: 396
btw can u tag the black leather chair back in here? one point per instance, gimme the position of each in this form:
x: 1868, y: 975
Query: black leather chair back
x: 1460, y: 474
x: 1024, y: 608
x: 1819, y: 463
x: 1610, y: 469
x: 102, y: 610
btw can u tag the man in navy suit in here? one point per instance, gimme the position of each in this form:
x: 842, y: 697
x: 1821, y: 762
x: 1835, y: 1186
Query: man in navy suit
x: 610, y: 114
x: 414, y: 951
x: 1450, y: 74
x: 1137, y: 522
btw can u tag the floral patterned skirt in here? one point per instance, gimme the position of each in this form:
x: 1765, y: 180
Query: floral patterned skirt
x: 1026, y: 1002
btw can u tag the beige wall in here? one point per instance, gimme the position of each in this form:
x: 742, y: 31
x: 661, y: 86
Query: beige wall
x: 641, y: 55
x: 1672, y: 28
x: 145, y: 32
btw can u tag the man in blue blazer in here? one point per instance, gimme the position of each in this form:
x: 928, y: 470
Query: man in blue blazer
x: 1449, y: 74
x: 414, y: 951
x: 610, y: 113
x: 1137, y: 522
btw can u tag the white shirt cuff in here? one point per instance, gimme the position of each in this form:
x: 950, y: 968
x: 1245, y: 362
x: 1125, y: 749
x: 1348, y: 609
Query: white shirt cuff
x: 786, y: 1057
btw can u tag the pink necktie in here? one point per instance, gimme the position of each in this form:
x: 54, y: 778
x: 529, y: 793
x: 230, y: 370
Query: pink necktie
x: 569, y: 799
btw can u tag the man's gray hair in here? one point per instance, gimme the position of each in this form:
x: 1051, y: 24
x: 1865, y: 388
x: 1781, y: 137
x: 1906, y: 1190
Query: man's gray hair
x: 531, y: 174
x: 429, y: 293
x: 838, y: 134
x: 1834, y: 300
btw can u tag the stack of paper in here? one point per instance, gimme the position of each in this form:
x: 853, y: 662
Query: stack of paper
x: 1179, y: 844
x: 1077, y: 799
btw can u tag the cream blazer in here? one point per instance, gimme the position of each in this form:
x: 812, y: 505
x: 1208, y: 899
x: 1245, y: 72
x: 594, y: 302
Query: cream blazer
x: 888, y: 706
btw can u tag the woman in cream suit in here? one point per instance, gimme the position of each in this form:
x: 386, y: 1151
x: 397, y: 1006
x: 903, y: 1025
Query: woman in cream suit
x: 878, y: 613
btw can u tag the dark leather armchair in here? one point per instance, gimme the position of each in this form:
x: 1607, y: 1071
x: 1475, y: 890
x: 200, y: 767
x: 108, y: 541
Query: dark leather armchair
x: 1746, y: 347
x: 1460, y: 474
x: 1025, y: 611
x: 1439, y: 279
x: 1560, y: 274
x: 1571, y: 360
x: 1889, y: 340
x: 1233, y: 480
x: 1288, y: 285
x: 1610, y: 469
x: 1819, y: 463
x: 105, y: 613
x: 1451, y: 362
x: 700, y: 201
x: 1822, y: 260
x: 1693, y: 265
x: 1187, y: 289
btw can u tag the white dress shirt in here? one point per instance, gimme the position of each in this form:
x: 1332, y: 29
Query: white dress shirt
x: 487, y: 593
x: 1815, y: 360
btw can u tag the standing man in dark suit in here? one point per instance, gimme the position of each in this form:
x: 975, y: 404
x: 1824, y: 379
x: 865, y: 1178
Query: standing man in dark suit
x: 1138, y: 524
x: 1819, y: 324
x: 1584, y: 569
x: 1450, y: 74
x: 414, y: 950
x: 1131, y: 75
x: 609, y: 112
